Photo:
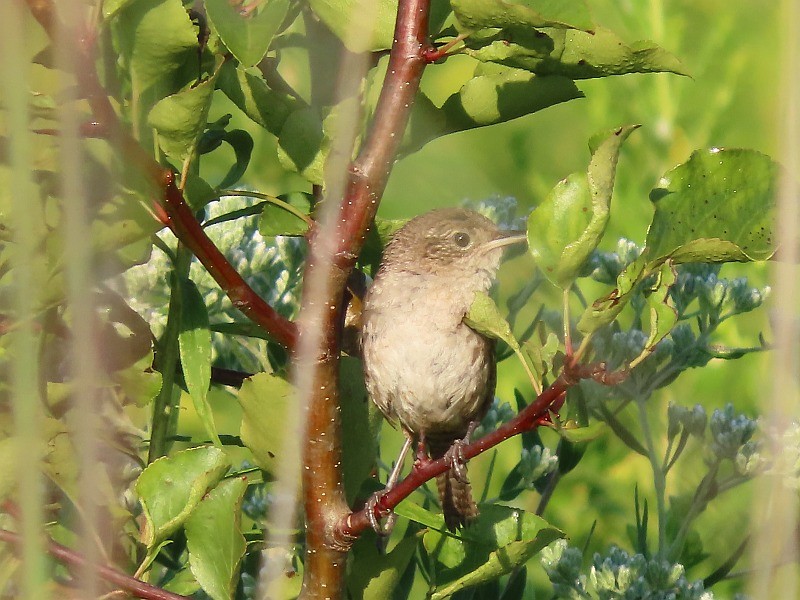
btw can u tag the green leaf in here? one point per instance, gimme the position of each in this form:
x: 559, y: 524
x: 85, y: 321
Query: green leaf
x: 214, y: 539
x: 663, y: 315
x: 301, y: 144
x: 362, y: 27
x: 497, y: 94
x: 571, y: 53
x: 604, y: 310
x: 171, y: 487
x: 502, y: 539
x: 179, y: 119
x: 112, y: 7
x: 247, y: 36
x: 157, y: 45
x: 264, y: 399
x: 374, y: 574
x: 582, y: 434
x: 279, y: 220
x: 194, y: 340
x: 247, y: 89
x: 541, y: 355
x: 423, y: 516
x: 13, y: 451
x: 360, y: 436
x: 718, y: 206
x: 477, y: 14
x: 566, y: 228
x: 485, y: 318
x: 242, y: 144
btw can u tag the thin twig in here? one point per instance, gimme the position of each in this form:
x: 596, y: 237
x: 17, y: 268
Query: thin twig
x: 133, y: 586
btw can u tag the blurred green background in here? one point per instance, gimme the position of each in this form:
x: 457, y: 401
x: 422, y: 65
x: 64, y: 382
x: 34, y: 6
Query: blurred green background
x: 732, y: 99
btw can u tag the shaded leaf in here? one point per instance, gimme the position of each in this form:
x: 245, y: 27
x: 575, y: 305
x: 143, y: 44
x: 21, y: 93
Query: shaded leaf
x: 716, y: 207
x: 497, y: 94
x: 171, y: 487
x: 485, y: 318
x: 477, y: 14
x: 264, y: 399
x: 214, y: 538
x: 571, y: 53
x: 604, y: 310
x: 541, y: 355
x: 279, y: 220
x: 374, y: 574
x: 582, y: 434
x: 502, y: 539
x: 194, y: 341
x: 242, y: 144
x: 247, y: 36
x: 663, y: 315
x: 360, y: 436
x: 247, y: 89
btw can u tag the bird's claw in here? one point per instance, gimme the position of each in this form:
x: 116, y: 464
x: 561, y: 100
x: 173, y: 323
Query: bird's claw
x: 455, y: 458
x: 374, y: 509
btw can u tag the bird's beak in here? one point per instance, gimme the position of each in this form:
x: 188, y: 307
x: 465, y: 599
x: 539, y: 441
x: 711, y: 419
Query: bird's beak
x: 506, y: 238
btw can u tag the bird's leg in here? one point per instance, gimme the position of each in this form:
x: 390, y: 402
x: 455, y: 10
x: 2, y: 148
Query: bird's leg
x: 455, y: 455
x: 372, y: 503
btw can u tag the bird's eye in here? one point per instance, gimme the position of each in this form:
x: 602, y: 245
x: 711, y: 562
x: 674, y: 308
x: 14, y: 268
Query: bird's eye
x: 461, y: 239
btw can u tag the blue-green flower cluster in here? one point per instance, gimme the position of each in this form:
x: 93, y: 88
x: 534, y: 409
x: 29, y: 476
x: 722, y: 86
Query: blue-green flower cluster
x: 499, y: 412
x: 535, y: 463
x: 605, y: 267
x: 617, y: 576
x: 691, y: 420
x: 730, y: 432
x: 272, y: 267
x: 500, y: 209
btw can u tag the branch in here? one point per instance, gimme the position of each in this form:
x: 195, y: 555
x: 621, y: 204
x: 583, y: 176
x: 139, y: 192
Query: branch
x: 332, y: 255
x: 133, y: 586
x: 536, y: 414
x: 172, y: 209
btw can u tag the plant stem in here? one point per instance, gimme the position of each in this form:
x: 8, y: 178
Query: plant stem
x: 659, y: 476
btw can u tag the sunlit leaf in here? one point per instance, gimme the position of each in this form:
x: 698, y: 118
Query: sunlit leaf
x: 214, y: 538
x: 485, y: 318
x: 264, y: 399
x: 477, y: 14
x: 566, y: 228
x: 375, y: 574
x: 362, y: 27
x: 171, y: 487
x: 247, y: 36
x: 718, y: 206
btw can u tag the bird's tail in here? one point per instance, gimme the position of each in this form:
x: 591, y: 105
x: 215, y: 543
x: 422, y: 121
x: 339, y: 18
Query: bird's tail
x: 455, y: 494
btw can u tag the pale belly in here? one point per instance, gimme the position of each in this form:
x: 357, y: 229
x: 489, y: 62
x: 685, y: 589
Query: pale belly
x: 431, y: 380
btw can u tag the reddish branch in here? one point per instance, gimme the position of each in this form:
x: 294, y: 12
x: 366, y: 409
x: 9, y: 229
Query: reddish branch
x: 324, y: 501
x: 538, y: 413
x: 172, y: 209
x: 131, y: 585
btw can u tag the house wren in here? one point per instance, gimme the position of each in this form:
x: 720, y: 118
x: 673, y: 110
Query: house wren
x: 425, y: 368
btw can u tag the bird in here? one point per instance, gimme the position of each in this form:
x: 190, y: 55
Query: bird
x: 424, y: 368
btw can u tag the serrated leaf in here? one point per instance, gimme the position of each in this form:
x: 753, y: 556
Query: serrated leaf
x: 360, y: 437
x: 264, y: 399
x: 247, y: 36
x: 279, y: 220
x: 718, y: 206
x: 214, y: 539
x: 485, y: 318
x: 501, y: 539
x: 477, y: 14
x: 247, y: 89
x: 171, y: 487
x: 498, y: 94
x: 565, y: 229
x: 194, y: 341
x: 179, y: 119
x: 571, y: 53
x: 362, y: 27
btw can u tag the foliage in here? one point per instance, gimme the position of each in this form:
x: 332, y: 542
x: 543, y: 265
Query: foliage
x: 191, y: 396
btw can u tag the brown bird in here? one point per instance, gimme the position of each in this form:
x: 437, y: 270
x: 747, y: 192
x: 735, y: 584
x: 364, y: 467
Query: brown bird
x: 425, y: 368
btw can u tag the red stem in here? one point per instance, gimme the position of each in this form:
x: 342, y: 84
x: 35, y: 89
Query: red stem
x: 536, y: 414
x: 173, y: 210
x: 133, y: 586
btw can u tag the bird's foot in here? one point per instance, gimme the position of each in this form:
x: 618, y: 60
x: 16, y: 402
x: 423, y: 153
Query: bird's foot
x: 375, y: 512
x: 455, y: 455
